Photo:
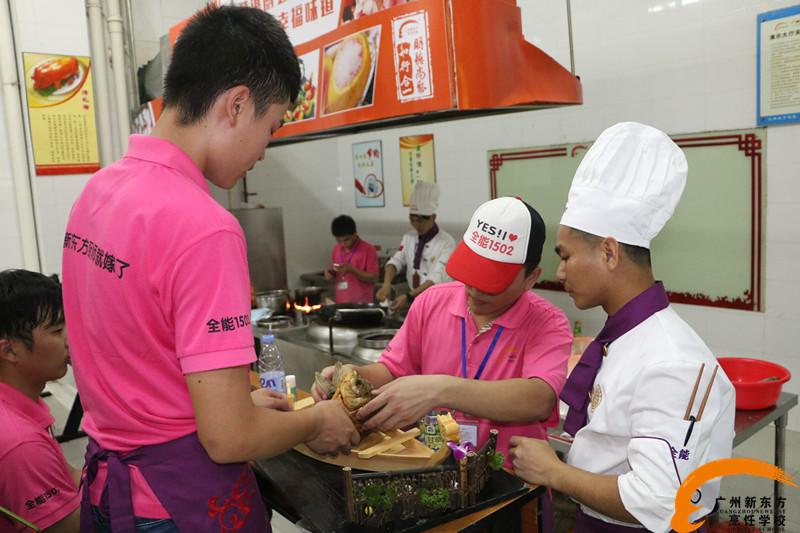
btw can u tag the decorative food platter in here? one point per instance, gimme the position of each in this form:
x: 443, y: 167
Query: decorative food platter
x: 381, y: 451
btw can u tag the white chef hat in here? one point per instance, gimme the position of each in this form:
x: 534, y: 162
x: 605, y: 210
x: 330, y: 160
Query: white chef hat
x: 627, y: 185
x: 424, y: 199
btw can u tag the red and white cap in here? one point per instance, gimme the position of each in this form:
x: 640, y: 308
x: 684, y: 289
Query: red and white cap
x: 502, y: 235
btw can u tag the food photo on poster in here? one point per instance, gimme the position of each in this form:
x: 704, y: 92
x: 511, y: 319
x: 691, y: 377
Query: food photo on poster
x: 306, y: 103
x: 54, y: 79
x: 348, y: 71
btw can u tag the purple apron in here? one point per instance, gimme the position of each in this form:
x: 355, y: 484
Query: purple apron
x: 199, y: 494
x: 589, y: 524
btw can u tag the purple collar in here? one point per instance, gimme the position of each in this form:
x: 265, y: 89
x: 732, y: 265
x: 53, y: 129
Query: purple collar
x: 421, y: 242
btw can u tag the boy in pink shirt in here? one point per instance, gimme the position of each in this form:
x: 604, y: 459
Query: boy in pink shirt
x: 37, y: 485
x: 156, y: 294
x: 355, y: 263
x: 485, y: 346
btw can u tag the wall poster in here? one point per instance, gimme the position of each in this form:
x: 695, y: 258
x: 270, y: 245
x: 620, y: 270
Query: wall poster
x: 368, y: 174
x: 778, y: 66
x: 711, y: 251
x: 61, y: 114
x: 417, y: 163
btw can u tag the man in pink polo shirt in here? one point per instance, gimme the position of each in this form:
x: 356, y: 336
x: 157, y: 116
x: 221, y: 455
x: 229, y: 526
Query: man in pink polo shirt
x: 355, y: 263
x: 156, y: 294
x: 37, y: 485
x: 485, y: 346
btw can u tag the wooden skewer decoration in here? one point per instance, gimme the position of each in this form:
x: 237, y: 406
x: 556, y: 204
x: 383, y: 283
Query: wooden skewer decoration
x: 694, y: 392
x: 705, y: 398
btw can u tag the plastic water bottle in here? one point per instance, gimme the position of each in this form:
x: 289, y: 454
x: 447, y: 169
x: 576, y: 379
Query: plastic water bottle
x: 270, y: 366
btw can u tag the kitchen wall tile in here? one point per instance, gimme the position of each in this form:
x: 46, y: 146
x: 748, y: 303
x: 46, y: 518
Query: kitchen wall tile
x: 782, y: 222
x: 48, y: 221
x: 738, y: 330
x: 12, y: 248
x: 635, y: 111
x: 729, y: 110
x: 181, y: 10
x: 8, y: 195
x: 779, y: 337
x: 59, y: 13
x: 781, y: 300
x: 728, y: 72
x: 682, y: 114
x: 783, y: 143
x: 24, y: 12
x: 147, y: 20
x: 783, y: 259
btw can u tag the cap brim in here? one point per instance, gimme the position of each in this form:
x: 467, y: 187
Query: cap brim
x: 484, y: 274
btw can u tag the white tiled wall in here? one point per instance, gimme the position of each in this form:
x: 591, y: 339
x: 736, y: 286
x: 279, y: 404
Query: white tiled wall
x: 681, y: 65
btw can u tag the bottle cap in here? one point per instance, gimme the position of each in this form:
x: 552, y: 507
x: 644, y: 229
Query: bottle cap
x: 291, y: 381
x: 268, y: 338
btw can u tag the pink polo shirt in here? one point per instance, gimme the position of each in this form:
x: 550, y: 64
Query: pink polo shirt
x: 156, y: 286
x: 361, y: 256
x: 535, y: 343
x: 35, y: 482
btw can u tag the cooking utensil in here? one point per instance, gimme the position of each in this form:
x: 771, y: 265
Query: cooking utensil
x: 352, y: 314
x: 370, y: 344
x: 276, y: 300
x: 308, y: 296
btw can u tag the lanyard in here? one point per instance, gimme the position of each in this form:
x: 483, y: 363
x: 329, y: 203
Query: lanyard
x: 351, y: 253
x: 464, y: 350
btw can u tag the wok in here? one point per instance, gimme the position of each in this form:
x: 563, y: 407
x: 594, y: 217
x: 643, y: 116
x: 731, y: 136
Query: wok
x: 351, y: 314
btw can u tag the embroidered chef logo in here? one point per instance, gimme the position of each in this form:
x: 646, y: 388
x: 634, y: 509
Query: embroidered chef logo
x: 719, y: 468
x: 493, y: 238
x: 596, y: 396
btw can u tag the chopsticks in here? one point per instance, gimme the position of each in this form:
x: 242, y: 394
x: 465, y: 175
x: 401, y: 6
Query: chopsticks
x: 692, y: 419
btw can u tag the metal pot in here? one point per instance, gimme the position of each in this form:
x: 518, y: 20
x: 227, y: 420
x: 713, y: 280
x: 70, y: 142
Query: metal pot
x: 277, y: 301
x: 352, y: 314
x: 370, y: 345
x: 308, y: 296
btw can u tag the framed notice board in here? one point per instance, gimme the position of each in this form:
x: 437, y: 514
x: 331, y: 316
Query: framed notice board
x: 709, y: 253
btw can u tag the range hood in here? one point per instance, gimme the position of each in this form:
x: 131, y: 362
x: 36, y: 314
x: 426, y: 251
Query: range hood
x: 419, y: 62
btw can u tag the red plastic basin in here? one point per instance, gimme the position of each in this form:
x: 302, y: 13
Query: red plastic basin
x: 747, y: 376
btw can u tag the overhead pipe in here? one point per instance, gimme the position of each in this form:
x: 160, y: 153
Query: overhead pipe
x: 116, y: 32
x: 97, y: 44
x: 16, y: 141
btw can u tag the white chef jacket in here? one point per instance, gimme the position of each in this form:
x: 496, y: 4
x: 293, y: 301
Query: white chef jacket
x: 637, y: 431
x: 434, y: 257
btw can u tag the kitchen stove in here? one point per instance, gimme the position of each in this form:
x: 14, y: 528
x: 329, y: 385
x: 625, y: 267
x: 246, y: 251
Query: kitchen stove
x: 342, y: 340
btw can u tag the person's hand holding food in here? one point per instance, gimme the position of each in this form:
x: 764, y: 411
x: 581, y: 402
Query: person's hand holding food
x: 401, y: 402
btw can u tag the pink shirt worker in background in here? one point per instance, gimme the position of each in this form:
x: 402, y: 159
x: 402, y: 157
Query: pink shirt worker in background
x: 354, y: 261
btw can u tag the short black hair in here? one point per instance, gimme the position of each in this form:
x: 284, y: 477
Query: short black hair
x: 226, y: 46
x: 530, y: 266
x: 639, y: 255
x: 342, y: 226
x: 28, y: 300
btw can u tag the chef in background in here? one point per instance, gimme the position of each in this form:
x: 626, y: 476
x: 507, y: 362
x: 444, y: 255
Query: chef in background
x: 354, y: 263
x: 423, y: 252
x: 638, y: 432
